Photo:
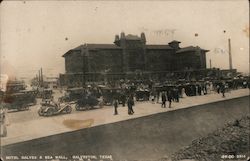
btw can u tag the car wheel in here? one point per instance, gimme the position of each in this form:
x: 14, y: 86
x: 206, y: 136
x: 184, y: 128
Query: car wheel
x: 68, y: 109
x: 77, y: 107
x: 87, y: 107
x: 100, y: 104
x: 50, y: 112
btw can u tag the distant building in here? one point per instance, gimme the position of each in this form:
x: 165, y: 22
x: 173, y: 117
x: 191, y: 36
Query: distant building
x: 128, y: 58
x: 51, y: 82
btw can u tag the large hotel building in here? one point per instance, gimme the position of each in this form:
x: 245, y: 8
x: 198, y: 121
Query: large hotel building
x: 129, y: 57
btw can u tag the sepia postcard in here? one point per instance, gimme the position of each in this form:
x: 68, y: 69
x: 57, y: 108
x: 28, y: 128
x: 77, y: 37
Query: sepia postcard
x: 143, y: 80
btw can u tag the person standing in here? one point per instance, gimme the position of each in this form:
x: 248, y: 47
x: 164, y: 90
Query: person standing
x: 183, y: 92
x: 130, y: 105
x: 115, y: 107
x: 163, y: 99
x: 205, y: 87
x: 222, y: 89
x: 218, y: 88
x: 152, y: 97
x: 157, y: 96
x: 123, y: 98
x: 170, y: 97
x: 176, y: 94
x: 3, y: 123
x: 199, y: 89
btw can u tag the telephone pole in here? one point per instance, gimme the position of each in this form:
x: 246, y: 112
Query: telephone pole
x: 42, y: 76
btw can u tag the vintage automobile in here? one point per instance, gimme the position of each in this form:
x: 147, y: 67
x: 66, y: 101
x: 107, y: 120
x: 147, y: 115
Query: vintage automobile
x: 14, y: 86
x: 130, y: 90
x: 142, y: 95
x: 72, y: 94
x: 44, y: 93
x: 110, y: 94
x: 52, y: 108
x: 163, y: 87
x: 30, y: 96
x: 87, y: 103
x: 19, y: 101
x: 243, y: 82
x: 190, y: 89
x: 47, y: 94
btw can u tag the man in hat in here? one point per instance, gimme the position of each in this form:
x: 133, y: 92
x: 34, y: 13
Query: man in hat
x: 163, y: 99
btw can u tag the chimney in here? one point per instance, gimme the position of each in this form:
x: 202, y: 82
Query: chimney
x: 122, y: 42
x: 143, y: 37
x: 122, y: 35
x: 117, y: 40
x: 174, y: 44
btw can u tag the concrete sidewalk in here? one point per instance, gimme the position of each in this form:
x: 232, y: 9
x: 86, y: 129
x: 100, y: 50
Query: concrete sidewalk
x: 23, y: 131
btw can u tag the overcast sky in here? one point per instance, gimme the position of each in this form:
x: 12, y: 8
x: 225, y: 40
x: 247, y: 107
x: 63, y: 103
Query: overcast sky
x: 36, y: 34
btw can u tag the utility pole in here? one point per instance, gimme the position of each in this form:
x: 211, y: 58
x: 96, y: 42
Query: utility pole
x: 230, y: 55
x: 42, y: 77
x: 39, y: 78
x: 210, y: 63
x: 36, y: 79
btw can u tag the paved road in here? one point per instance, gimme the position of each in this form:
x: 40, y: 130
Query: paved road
x: 149, y: 137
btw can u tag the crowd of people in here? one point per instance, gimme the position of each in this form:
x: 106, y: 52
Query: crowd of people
x: 173, y: 93
x: 125, y: 92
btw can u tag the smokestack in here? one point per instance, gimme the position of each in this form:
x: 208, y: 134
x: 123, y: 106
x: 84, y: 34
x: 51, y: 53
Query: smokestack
x: 36, y: 79
x: 39, y: 78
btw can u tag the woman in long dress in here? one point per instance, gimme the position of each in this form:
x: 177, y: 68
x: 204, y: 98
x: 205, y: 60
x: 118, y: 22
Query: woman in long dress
x: 183, y: 93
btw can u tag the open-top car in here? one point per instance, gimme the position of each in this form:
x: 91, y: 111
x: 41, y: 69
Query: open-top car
x: 52, y: 108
